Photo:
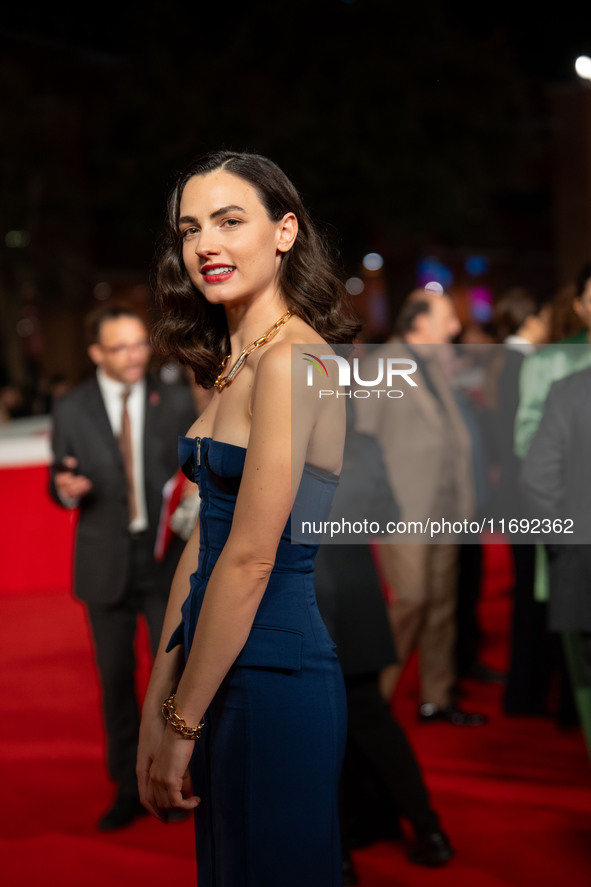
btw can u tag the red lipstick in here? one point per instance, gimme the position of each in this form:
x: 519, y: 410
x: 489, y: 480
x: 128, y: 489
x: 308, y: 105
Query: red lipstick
x: 217, y: 272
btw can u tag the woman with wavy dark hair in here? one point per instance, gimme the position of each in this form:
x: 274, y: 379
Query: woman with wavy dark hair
x: 194, y: 330
x: 244, y: 717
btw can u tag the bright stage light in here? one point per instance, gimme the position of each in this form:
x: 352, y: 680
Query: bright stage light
x: 583, y: 67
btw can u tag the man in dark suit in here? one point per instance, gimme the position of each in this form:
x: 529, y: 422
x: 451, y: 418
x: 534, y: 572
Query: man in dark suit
x: 381, y: 778
x: 114, y: 443
x: 556, y: 479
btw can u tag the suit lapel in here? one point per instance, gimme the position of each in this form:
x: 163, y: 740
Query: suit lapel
x: 427, y: 402
x: 104, y: 432
x: 152, y: 413
x: 424, y: 399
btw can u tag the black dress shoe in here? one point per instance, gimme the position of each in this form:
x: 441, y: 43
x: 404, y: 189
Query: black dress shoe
x: 450, y: 714
x: 123, y: 812
x: 432, y: 850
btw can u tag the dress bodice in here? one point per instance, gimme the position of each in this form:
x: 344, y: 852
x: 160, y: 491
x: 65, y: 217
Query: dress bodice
x: 217, y: 466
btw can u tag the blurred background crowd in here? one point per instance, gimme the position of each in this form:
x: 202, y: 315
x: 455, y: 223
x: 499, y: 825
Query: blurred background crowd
x: 452, y: 144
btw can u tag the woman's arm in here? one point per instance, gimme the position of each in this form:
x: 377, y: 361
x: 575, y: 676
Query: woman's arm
x: 239, y: 579
x: 166, y: 669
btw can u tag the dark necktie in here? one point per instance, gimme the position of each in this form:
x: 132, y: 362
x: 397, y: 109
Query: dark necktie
x: 126, y: 448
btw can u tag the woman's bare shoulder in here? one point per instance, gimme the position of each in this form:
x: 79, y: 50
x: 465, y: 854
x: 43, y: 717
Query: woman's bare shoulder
x: 298, y: 335
x: 298, y: 332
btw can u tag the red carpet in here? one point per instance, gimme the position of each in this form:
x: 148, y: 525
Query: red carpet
x: 36, y: 534
x: 514, y: 796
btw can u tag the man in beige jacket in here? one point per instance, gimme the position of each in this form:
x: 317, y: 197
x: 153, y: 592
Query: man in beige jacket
x: 427, y: 452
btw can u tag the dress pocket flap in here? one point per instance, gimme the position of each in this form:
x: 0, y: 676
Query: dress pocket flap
x: 271, y: 647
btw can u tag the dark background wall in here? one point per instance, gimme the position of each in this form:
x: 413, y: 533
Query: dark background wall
x: 416, y: 130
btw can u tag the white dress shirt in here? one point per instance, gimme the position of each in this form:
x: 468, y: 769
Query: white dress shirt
x: 112, y: 392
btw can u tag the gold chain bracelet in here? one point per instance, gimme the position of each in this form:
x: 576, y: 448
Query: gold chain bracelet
x: 170, y: 714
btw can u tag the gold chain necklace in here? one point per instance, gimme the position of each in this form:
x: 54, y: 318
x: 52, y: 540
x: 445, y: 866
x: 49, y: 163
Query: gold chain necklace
x: 221, y: 382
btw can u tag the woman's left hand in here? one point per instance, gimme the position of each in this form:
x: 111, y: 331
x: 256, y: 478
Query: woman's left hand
x: 169, y: 783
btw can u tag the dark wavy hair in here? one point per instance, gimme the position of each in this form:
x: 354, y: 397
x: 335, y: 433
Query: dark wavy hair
x: 193, y: 332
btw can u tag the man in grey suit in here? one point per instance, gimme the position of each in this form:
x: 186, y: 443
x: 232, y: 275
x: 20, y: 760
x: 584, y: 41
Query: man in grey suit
x: 114, y: 443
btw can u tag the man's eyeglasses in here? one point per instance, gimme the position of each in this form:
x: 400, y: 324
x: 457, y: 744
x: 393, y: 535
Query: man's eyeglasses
x: 121, y: 349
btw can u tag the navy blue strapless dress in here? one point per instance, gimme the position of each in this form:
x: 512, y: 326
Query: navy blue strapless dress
x: 268, y: 762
